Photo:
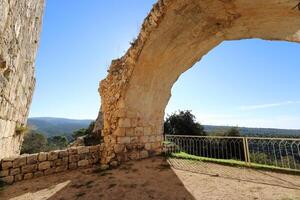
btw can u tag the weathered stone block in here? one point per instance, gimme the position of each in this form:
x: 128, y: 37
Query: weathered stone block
x: 7, y: 165
x: 144, y: 139
x: 42, y: 156
x: 53, y: 155
x: 72, y: 150
x: 84, y: 156
x: 134, y: 155
x: 4, y: 173
x: 124, y: 123
x: 44, y: 165
x: 123, y: 140
x: 63, y: 153
x: 29, y: 168
x: 18, y: 177
x: 130, y: 132
x: 93, y: 149
x: 120, y: 132
x: 74, y: 158
x: 147, y: 130
x: 57, y: 162
x: 28, y: 176
x: 148, y: 146
x: 134, y: 140
x: 8, y: 179
x: 73, y: 165
x: 119, y: 148
x: 139, y: 131
x: 32, y: 159
x: 83, y: 163
x: 14, y: 171
x: 65, y: 160
x: 38, y: 174
x: 18, y: 162
x: 82, y: 150
x: 134, y: 122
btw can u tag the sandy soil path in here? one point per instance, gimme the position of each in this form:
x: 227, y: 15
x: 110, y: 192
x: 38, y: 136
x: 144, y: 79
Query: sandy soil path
x: 156, y: 178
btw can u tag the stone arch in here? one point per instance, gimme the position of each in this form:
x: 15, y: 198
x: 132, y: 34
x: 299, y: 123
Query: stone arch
x: 175, y: 35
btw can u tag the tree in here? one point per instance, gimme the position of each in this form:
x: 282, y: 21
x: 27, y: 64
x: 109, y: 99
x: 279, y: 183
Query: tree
x: 90, y: 137
x: 57, y: 142
x: 233, y: 131
x: 79, y: 133
x: 34, y: 142
x: 183, y: 123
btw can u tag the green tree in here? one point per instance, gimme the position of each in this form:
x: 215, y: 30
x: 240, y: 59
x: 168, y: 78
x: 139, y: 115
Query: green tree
x: 233, y: 131
x: 57, y: 142
x: 79, y: 133
x: 34, y: 142
x: 90, y: 138
x: 183, y: 123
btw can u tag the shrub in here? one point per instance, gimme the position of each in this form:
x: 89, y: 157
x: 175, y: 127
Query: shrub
x: 183, y: 123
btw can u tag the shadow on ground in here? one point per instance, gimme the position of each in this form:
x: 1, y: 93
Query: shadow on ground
x: 157, y: 178
x: 142, y: 180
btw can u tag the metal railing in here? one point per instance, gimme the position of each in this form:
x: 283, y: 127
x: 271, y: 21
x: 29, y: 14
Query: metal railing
x: 273, y: 152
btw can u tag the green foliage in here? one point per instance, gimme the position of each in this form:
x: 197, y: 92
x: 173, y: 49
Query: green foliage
x: 260, y: 158
x: 183, y: 123
x: 57, y: 142
x: 34, y: 142
x: 90, y: 138
x: 20, y: 130
x: 233, y: 131
x: 79, y: 133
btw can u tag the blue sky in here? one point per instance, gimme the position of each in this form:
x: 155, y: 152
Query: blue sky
x: 246, y: 83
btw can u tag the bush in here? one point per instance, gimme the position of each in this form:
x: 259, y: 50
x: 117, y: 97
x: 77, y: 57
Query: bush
x: 90, y: 138
x: 57, y: 142
x: 183, y: 123
x: 34, y: 142
x: 234, y: 132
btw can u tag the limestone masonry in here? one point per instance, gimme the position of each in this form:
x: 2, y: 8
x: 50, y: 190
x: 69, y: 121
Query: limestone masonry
x: 25, y: 167
x: 174, y: 36
x: 20, y: 24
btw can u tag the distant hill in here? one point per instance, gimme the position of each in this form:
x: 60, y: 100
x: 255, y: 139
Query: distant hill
x: 50, y: 126
x: 256, y: 131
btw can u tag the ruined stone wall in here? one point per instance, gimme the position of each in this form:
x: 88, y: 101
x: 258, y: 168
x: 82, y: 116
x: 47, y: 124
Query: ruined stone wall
x: 20, y: 24
x: 14, y: 169
x: 174, y: 36
x: 125, y: 135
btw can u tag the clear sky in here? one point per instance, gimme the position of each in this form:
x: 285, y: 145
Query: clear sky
x: 246, y: 83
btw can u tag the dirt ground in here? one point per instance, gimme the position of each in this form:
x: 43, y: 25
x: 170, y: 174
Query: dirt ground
x: 157, y: 178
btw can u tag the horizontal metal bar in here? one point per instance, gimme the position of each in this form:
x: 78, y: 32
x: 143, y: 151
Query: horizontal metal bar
x: 240, y: 137
x: 198, y: 136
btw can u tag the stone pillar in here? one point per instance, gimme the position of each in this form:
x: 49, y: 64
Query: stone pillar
x: 20, y: 24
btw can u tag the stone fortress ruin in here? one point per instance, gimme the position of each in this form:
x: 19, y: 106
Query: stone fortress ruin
x: 174, y: 36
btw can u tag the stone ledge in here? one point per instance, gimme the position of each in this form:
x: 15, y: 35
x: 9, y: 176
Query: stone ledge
x: 29, y: 166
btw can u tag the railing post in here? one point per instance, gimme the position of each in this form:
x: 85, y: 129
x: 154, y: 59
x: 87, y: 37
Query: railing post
x: 246, y: 150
